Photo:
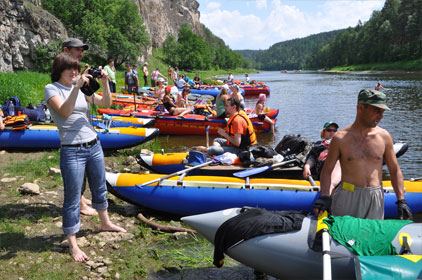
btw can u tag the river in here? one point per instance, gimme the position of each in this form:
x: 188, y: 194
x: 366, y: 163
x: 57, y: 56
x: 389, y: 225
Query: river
x: 309, y: 99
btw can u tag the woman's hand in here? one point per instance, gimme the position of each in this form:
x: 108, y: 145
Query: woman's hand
x: 104, y: 77
x: 306, y: 171
x: 82, y: 80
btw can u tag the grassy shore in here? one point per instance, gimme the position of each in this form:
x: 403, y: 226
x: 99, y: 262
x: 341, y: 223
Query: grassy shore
x: 32, y: 245
x: 414, y: 65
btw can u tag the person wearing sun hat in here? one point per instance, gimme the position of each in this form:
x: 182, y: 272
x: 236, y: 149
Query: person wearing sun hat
x: 260, y: 111
x: 361, y: 149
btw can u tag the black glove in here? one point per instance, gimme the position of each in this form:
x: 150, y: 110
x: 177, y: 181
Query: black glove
x: 404, y: 210
x: 323, y: 203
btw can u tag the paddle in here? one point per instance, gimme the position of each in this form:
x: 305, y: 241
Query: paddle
x: 326, y: 258
x: 257, y: 170
x: 208, y: 136
x: 214, y: 160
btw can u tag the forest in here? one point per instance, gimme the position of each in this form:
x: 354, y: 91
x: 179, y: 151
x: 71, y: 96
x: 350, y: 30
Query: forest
x: 390, y: 35
x: 115, y: 30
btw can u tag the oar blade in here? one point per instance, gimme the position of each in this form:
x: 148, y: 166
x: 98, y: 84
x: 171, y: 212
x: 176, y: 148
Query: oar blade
x: 250, y: 172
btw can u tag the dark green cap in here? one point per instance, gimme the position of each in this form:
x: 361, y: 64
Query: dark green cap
x: 374, y: 98
x: 327, y: 124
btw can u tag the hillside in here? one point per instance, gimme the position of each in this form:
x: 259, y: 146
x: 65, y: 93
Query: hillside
x: 289, y: 55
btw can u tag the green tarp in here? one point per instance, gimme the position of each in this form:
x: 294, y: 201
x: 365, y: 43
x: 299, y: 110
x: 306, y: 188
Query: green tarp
x: 406, y: 267
x: 365, y: 237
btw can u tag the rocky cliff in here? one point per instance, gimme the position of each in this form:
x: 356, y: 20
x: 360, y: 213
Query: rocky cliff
x: 164, y: 17
x: 24, y: 25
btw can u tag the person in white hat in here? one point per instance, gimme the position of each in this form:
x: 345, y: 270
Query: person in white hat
x: 160, y: 89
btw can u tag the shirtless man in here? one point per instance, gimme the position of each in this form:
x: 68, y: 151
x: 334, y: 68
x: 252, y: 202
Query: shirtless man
x: 361, y: 148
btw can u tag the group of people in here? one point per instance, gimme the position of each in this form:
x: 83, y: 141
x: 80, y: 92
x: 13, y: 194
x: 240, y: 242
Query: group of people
x: 347, y: 162
x: 351, y: 176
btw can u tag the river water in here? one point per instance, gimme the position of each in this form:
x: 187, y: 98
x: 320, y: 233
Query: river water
x: 309, y: 99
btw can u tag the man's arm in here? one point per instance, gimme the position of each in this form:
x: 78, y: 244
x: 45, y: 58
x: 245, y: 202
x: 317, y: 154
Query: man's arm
x: 396, y: 178
x: 393, y: 167
x: 235, y: 140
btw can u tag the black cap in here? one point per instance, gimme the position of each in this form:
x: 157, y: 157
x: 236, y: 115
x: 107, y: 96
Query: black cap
x: 74, y: 43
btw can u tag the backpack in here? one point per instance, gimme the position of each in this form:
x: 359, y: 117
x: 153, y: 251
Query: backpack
x: 13, y: 100
x: 16, y: 122
x: 264, y: 151
x: 35, y: 114
x: 294, y: 146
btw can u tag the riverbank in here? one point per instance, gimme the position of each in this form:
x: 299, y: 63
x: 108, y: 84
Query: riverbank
x: 393, y: 67
x: 32, y: 244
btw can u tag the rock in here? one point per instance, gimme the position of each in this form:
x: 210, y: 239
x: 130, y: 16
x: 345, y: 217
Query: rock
x: 117, y: 275
x: 24, y: 27
x: 53, y: 171
x: 58, y: 224
x: 2, y: 152
x: 29, y: 188
x: 107, y: 261
x: 146, y: 151
x: 7, y: 180
x: 131, y: 160
x: 102, y: 269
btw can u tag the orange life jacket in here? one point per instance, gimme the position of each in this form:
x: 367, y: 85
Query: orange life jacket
x: 246, y: 140
x: 17, y: 122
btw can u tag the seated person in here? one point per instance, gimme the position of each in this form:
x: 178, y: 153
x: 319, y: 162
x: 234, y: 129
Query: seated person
x: 379, y: 87
x: 197, y: 81
x: 239, y: 133
x: 220, y: 101
x: 159, y: 89
x: 171, y: 107
x: 316, y: 157
x: 180, y: 83
x: 1, y: 120
x: 260, y: 111
x: 182, y: 98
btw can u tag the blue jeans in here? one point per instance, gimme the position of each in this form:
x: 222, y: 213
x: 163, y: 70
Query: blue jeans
x: 215, y: 150
x: 112, y: 86
x: 73, y: 161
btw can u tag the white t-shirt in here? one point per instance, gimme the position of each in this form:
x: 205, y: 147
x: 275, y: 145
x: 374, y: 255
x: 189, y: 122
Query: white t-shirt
x: 76, y: 128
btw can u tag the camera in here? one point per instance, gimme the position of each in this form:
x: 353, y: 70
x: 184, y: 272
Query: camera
x: 95, y: 72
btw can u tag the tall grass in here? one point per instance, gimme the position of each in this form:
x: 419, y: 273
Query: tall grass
x: 27, y: 86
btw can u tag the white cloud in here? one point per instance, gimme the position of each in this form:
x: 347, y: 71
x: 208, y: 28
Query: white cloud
x: 213, y: 6
x: 261, y: 4
x: 248, y: 29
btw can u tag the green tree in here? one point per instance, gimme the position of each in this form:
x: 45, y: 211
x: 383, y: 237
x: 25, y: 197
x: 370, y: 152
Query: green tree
x: 112, y: 28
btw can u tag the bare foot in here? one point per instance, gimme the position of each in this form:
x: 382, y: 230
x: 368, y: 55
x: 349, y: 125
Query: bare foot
x: 88, y: 202
x: 88, y: 211
x: 112, y: 227
x: 77, y: 254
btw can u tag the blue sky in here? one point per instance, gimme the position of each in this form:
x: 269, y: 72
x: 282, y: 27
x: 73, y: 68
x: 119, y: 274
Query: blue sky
x: 258, y: 24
